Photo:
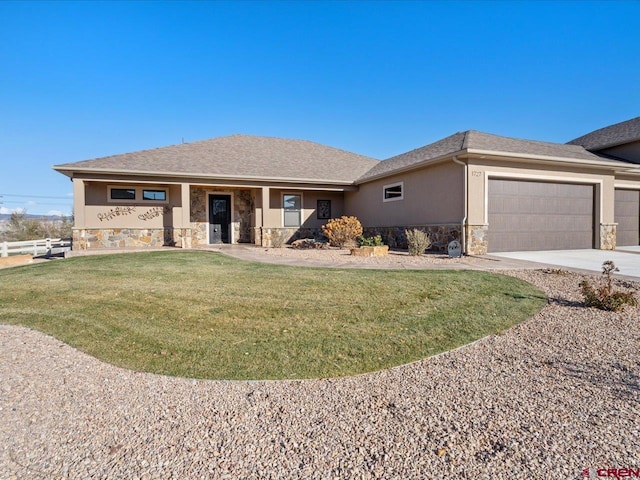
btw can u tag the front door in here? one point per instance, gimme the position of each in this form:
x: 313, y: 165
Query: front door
x: 219, y: 218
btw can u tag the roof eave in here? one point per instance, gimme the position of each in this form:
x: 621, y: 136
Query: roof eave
x: 69, y: 171
x: 613, y: 144
x: 431, y: 161
x: 548, y: 158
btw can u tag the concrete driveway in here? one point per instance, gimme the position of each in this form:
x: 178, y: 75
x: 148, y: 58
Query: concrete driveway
x: 627, y: 259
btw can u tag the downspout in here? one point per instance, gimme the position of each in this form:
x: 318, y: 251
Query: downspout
x: 463, y: 224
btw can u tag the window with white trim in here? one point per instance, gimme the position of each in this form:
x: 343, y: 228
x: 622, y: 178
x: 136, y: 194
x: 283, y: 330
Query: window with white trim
x: 393, y: 192
x: 291, y: 210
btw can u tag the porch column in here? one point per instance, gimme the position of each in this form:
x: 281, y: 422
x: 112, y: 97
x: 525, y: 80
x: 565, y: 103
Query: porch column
x: 79, y: 241
x: 78, y: 203
x: 261, y: 219
x: 265, y: 204
x: 185, y: 218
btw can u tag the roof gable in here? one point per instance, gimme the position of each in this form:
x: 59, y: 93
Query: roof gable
x: 444, y: 147
x: 237, y: 156
x: 473, y: 141
x: 498, y: 144
x: 611, y: 136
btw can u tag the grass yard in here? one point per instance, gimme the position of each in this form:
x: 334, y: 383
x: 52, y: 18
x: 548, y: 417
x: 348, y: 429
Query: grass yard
x: 206, y: 315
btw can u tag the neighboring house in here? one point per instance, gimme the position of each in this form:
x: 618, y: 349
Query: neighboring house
x: 493, y: 193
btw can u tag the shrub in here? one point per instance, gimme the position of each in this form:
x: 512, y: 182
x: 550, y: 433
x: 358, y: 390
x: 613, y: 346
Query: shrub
x: 277, y: 239
x: 417, y: 241
x: 605, y: 297
x: 308, y: 243
x: 371, y: 241
x: 343, y: 231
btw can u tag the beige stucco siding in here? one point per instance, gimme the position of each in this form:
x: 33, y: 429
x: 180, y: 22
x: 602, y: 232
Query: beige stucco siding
x: 628, y: 151
x: 630, y: 182
x: 274, y: 218
x: 98, y: 211
x: 481, y: 170
x: 432, y: 195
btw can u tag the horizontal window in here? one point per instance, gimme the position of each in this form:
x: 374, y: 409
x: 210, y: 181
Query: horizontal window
x: 123, y: 194
x: 158, y: 195
x: 138, y: 194
x: 393, y: 192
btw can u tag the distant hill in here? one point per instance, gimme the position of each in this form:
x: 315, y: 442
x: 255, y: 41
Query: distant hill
x: 7, y: 216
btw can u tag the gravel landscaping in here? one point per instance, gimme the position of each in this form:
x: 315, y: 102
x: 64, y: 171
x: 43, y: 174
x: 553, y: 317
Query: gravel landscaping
x: 548, y: 398
x: 342, y: 258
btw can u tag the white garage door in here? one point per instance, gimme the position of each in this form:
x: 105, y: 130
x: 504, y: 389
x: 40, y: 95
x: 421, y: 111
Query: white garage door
x: 525, y: 215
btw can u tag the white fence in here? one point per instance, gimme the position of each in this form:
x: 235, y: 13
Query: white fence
x: 48, y: 246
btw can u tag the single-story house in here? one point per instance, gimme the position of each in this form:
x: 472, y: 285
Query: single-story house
x: 492, y: 193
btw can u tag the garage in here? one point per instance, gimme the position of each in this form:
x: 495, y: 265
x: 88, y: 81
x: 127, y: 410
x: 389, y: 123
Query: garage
x: 627, y: 216
x: 529, y: 215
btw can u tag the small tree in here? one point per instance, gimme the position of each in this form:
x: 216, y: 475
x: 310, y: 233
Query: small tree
x: 343, y: 231
x: 21, y: 228
x: 605, y: 297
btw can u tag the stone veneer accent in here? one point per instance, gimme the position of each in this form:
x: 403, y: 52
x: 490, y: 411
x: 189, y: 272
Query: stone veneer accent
x: 477, y: 239
x: 608, y: 232
x: 84, y: 239
x: 440, y: 235
x: 243, y: 209
x: 263, y: 235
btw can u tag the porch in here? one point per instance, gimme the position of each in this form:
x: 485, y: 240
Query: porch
x: 186, y: 215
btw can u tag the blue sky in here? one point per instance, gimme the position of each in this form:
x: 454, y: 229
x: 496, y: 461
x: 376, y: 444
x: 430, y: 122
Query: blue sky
x: 82, y: 80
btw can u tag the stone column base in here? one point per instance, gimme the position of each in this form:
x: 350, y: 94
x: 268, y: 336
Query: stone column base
x: 477, y: 239
x: 182, y: 237
x: 608, y: 236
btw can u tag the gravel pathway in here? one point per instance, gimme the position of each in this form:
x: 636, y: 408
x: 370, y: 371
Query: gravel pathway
x: 546, y: 399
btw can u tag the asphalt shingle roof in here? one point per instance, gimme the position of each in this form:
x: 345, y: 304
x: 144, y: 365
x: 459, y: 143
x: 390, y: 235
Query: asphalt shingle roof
x: 472, y: 140
x: 268, y: 158
x: 623, y: 132
x: 238, y: 156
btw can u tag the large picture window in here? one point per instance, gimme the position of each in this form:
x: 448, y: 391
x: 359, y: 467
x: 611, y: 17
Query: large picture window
x: 292, y: 210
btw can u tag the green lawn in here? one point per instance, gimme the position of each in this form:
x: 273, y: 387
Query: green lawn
x: 206, y: 315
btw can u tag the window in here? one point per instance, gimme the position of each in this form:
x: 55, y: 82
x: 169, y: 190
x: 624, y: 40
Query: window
x: 324, y: 209
x: 128, y: 194
x: 292, y: 210
x: 123, y: 194
x: 393, y: 192
x: 158, y: 195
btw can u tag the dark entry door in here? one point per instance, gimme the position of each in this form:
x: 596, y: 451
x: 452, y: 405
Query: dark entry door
x: 219, y: 218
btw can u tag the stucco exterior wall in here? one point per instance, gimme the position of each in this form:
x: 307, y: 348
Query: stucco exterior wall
x: 309, y: 207
x: 432, y: 195
x: 99, y: 212
x: 629, y: 151
x: 628, y: 182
